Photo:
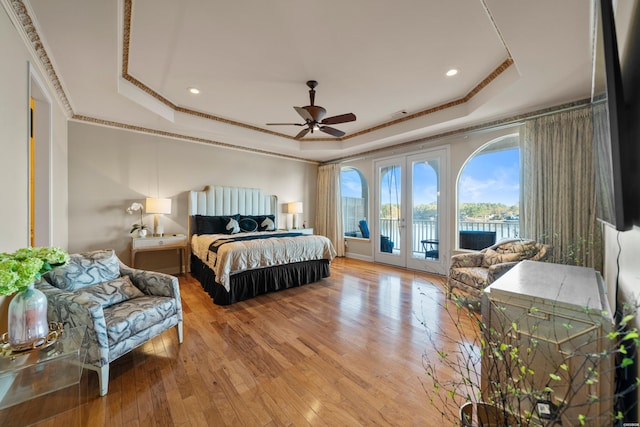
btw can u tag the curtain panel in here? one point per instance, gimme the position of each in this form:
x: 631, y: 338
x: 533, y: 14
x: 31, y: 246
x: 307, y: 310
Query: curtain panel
x: 558, y: 181
x: 329, y: 206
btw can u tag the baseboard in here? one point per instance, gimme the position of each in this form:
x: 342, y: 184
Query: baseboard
x: 358, y: 256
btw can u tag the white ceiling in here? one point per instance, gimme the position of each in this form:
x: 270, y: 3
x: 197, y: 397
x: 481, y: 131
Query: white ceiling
x: 374, y: 58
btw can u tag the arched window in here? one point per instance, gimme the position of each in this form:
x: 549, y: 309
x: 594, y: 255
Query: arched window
x: 489, y: 194
x: 355, y: 200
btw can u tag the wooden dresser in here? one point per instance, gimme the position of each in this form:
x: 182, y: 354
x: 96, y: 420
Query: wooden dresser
x: 552, y: 314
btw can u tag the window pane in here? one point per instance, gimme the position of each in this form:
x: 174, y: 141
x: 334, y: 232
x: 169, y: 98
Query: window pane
x: 355, y: 198
x: 489, y: 195
x: 426, y: 193
x: 390, y: 214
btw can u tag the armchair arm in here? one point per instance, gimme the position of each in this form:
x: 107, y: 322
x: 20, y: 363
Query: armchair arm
x: 74, y: 310
x: 497, y: 270
x: 472, y: 259
x: 154, y: 283
x: 151, y: 282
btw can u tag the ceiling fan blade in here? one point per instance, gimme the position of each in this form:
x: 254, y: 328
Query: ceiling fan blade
x: 302, y: 133
x: 303, y: 113
x: 331, y: 131
x: 342, y: 118
x: 287, y: 124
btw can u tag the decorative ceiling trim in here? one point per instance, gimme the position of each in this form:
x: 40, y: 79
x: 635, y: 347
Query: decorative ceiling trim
x: 509, y: 121
x: 494, y: 74
x: 22, y: 14
x: 133, y: 128
x: 126, y: 40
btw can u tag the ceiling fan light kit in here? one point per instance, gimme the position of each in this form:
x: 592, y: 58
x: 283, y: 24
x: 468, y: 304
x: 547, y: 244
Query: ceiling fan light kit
x: 313, y: 117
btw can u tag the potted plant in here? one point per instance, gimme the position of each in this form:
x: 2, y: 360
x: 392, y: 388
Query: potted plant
x: 27, y: 321
x: 141, y: 227
x: 514, y: 395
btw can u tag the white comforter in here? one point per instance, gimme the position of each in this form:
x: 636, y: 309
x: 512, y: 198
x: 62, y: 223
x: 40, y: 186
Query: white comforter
x: 251, y: 254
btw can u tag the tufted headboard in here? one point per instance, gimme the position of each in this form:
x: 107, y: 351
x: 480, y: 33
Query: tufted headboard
x: 216, y: 200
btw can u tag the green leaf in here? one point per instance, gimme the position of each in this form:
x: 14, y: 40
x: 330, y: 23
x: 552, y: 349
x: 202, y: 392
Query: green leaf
x: 554, y: 377
x: 627, y: 361
x: 564, y: 367
x: 626, y: 319
x: 582, y: 419
x: 631, y: 335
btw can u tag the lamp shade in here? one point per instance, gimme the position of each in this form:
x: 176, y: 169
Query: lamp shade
x: 295, y: 208
x: 158, y: 206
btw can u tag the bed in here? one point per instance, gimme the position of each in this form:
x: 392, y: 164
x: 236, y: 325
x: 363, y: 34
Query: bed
x: 237, y: 251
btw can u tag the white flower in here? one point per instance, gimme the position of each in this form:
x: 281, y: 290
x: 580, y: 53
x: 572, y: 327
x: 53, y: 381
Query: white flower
x: 135, y: 206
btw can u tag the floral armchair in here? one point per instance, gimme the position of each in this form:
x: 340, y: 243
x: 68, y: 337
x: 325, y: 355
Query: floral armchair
x: 472, y: 272
x: 121, y: 307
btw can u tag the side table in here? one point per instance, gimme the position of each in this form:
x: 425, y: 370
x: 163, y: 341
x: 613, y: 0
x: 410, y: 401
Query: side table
x: 48, y: 373
x: 169, y: 242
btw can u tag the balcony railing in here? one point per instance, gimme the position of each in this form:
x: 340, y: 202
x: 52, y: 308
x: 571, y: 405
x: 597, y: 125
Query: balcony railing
x: 428, y: 230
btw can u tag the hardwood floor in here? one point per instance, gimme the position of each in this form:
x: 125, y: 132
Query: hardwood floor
x: 345, y: 351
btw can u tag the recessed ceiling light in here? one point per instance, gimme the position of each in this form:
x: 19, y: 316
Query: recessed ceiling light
x: 452, y: 72
x: 194, y: 90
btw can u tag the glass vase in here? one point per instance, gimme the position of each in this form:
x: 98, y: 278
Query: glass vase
x: 28, y: 326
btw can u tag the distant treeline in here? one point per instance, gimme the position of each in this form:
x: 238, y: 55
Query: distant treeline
x: 467, y: 211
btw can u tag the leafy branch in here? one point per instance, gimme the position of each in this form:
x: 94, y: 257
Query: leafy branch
x: 524, y: 375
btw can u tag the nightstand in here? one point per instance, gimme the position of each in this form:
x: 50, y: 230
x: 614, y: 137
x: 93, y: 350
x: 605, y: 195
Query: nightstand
x: 164, y: 243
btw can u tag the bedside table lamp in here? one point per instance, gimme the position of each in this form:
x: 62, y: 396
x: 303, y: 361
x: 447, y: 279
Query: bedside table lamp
x: 158, y: 207
x: 295, y: 208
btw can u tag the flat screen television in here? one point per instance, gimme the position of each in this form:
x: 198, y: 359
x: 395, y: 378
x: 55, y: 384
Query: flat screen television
x: 614, y: 135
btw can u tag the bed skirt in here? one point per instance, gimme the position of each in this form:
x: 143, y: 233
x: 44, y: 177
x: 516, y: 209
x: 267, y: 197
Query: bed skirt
x: 249, y: 284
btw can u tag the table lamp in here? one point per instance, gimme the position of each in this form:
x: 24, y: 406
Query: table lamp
x: 295, y: 208
x: 158, y: 207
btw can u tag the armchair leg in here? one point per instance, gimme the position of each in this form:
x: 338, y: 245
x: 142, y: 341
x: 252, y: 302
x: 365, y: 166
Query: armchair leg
x: 103, y: 379
x: 179, y: 329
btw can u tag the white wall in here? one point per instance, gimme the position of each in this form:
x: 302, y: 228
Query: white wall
x: 111, y: 168
x: 14, y: 138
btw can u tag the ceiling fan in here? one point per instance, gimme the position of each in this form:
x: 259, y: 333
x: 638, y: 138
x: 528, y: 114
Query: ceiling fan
x: 313, y: 117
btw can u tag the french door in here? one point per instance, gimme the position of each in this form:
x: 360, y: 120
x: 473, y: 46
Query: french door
x: 411, y: 220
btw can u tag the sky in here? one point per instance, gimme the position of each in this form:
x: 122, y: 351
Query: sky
x: 487, y: 178
x: 492, y: 177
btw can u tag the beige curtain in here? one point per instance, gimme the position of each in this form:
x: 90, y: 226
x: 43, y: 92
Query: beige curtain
x: 329, y: 206
x: 558, y: 187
